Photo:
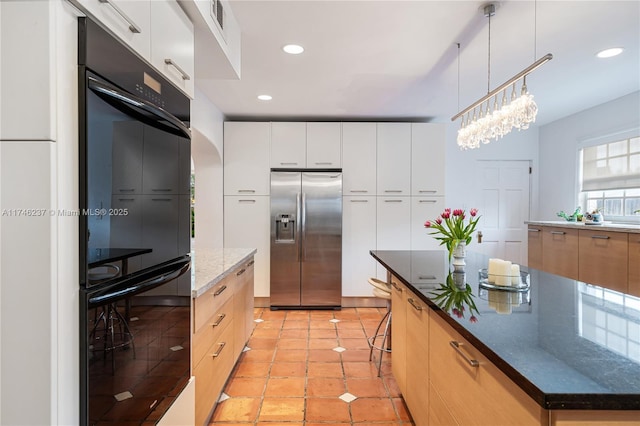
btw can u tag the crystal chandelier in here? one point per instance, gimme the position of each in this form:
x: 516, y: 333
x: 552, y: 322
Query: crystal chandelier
x: 497, y: 113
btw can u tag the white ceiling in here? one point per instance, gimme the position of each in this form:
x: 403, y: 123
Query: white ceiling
x: 399, y: 60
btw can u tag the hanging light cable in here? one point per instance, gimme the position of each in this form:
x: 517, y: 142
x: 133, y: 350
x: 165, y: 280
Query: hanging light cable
x: 494, y: 123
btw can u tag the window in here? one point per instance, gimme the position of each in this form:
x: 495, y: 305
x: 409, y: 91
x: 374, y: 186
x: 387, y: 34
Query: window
x: 611, y: 179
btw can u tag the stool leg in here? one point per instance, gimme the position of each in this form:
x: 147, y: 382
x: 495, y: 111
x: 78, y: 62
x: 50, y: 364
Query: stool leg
x: 384, y: 341
x: 372, y: 342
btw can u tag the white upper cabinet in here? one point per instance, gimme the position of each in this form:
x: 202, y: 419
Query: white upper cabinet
x: 172, y: 44
x: 246, y: 158
x: 359, y: 158
x: 129, y: 20
x: 427, y: 159
x: 324, y: 145
x: 288, y: 144
x: 423, y: 209
x: 394, y: 158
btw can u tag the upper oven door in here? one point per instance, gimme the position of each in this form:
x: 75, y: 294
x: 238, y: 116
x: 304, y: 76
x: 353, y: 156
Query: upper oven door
x: 135, y: 182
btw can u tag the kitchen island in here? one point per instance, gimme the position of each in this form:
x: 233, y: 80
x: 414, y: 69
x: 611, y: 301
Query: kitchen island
x: 569, y: 352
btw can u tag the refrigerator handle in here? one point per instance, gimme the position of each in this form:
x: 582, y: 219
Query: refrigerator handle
x: 298, y: 222
x: 303, y: 234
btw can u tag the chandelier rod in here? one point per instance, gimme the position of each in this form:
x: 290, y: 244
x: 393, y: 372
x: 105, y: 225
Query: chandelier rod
x: 546, y: 58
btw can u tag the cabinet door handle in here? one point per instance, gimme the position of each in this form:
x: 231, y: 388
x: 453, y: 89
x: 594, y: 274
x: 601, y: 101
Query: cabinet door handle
x: 126, y: 199
x: 427, y: 201
x: 534, y: 230
x: 414, y: 304
x: 247, y: 191
x: 220, y: 318
x: 171, y: 62
x: 456, y: 345
x: 359, y: 201
x: 392, y: 201
x: 426, y: 277
x: 396, y: 286
x: 427, y: 191
x: 132, y: 25
x: 219, y: 291
x: 324, y: 163
x: 220, y: 348
x: 359, y: 191
x: 393, y: 191
x: 126, y: 190
x: 288, y: 164
x: 558, y: 232
x: 161, y: 199
x: 161, y: 189
x: 600, y: 237
x: 251, y: 263
x: 240, y: 272
x: 247, y: 201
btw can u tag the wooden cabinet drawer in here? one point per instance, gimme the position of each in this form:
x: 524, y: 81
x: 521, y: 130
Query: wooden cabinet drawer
x: 398, y: 331
x: 475, y: 395
x: 560, y: 251
x: 209, y: 303
x: 603, y: 258
x: 417, y: 396
x: 211, y: 374
x: 535, y: 247
x: 211, y: 331
x: 634, y: 264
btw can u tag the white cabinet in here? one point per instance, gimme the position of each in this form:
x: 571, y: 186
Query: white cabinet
x: 358, y: 237
x: 172, y: 44
x: 324, y: 145
x: 288, y: 144
x: 246, y: 225
x: 246, y: 158
x: 428, y: 145
x: 359, y: 158
x: 423, y: 209
x: 393, y: 226
x: 129, y: 20
x: 394, y: 159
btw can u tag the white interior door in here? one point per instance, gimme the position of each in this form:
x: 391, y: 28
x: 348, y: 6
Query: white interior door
x: 504, y: 205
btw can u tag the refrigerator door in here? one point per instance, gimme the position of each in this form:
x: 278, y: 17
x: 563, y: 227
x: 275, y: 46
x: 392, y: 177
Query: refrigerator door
x: 285, y: 238
x: 321, y: 245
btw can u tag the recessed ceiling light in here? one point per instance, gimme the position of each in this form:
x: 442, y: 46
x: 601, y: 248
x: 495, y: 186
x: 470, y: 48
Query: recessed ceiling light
x: 293, y: 49
x: 265, y: 97
x: 608, y: 53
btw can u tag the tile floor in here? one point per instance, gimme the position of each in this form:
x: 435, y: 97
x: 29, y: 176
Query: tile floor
x: 312, y: 368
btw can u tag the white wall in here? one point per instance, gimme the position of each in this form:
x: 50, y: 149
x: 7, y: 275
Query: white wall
x: 559, y: 144
x: 207, y: 153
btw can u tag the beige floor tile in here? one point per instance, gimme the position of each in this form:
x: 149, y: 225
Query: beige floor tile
x: 323, y: 333
x: 325, y: 387
x: 295, y: 333
x: 327, y: 410
x: 324, y: 324
x: 291, y: 355
x: 266, y: 333
x: 288, y: 369
x: 289, y: 324
x: 285, y: 387
x: 324, y: 369
x: 237, y: 410
x: 282, y: 409
x: 252, y: 369
x: 262, y: 343
x: 323, y: 343
x: 324, y: 355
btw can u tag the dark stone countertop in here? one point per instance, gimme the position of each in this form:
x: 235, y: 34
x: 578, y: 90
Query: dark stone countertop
x: 572, y: 346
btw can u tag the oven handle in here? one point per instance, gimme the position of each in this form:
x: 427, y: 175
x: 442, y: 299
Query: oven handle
x: 133, y: 101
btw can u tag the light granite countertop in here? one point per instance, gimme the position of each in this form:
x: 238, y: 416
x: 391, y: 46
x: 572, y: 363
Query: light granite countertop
x: 608, y: 226
x: 212, y: 265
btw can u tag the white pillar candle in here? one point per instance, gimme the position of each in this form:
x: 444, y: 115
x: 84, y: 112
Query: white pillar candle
x: 515, y: 275
x: 492, y: 270
x: 503, y: 275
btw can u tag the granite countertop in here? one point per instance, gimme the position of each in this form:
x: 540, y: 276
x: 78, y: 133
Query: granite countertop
x: 212, y: 265
x: 572, y: 346
x: 607, y: 226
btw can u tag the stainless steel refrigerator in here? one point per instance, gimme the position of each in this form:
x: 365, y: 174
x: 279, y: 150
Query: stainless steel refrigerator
x: 306, y: 239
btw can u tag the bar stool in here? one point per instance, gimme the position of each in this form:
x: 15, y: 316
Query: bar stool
x: 381, y: 290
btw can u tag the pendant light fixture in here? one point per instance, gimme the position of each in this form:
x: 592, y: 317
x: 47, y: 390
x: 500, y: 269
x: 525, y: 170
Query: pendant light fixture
x: 498, y: 112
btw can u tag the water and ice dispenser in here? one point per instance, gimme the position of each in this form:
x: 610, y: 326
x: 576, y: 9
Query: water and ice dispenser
x: 285, y: 228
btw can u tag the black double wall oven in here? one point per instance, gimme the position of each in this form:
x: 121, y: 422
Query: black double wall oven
x: 134, y: 243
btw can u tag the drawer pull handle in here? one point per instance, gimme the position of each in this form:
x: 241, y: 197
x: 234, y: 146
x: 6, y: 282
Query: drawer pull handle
x: 220, y: 348
x: 246, y: 201
x: 220, y: 318
x: 219, y: 291
x: 360, y: 191
x: 251, y: 263
x: 132, y: 25
x: 429, y: 191
x: 534, y: 230
x: 126, y: 190
x: 456, y: 345
x: 558, y: 232
x: 396, y: 286
x: 324, y: 163
x: 171, y: 62
x: 288, y: 164
x: 240, y: 272
x: 414, y: 304
x: 247, y: 191
x: 394, y: 191
x: 600, y: 237
x: 428, y: 201
x: 426, y: 277
x: 392, y: 201
x: 359, y: 201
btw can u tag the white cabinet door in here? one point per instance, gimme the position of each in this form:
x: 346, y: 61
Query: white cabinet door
x: 358, y: 158
x: 129, y: 20
x: 324, y: 145
x: 288, y: 144
x: 394, y: 159
x: 393, y: 226
x: 246, y: 158
x: 172, y: 44
x: 427, y: 159
x: 423, y: 209
x: 246, y: 225
x: 358, y: 237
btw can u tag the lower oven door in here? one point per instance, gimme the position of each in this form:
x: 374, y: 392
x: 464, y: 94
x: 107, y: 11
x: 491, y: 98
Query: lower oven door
x: 135, y: 355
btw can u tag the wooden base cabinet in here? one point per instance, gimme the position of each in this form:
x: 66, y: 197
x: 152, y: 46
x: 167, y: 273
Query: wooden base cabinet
x: 417, y: 395
x: 439, y: 414
x: 603, y: 259
x: 472, y: 388
x: 399, y: 333
x: 560, y: 251
x: 634, y: 264
x: 535, y: 247
x: 222, y: 324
